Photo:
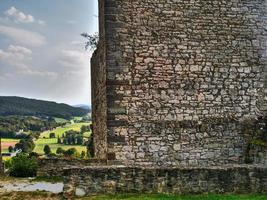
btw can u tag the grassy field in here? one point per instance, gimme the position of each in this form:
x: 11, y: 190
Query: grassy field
x: 44, y: 139
x: 173, y: 197
x: 60, y: 130
x: 39, y: 148
x: 60, y: 120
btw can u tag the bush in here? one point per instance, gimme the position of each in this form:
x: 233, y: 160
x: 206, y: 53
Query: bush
x: 26, y: 145
x: 60, y: 150
x: 47, y: 150
x: 52, y: 135
x: 10, y: 149
x: 34, y: 154
x: 70, y: 152
x: 23, y: 166
x: 8, y: 164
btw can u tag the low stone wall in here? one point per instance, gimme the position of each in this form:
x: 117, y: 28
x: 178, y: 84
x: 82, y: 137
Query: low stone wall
x: 113, y: 179
x: 55, y: 166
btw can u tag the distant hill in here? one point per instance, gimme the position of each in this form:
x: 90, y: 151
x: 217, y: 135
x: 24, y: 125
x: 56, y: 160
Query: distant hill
x: 32, y: 107
x: 84, y: 106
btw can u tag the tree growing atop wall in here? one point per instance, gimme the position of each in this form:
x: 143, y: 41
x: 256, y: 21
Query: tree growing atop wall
x: 91, y: 41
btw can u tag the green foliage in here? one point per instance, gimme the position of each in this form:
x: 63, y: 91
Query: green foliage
x: 59, y: 140
x: 23, y: 166
x: 73, y: 138
x: 10, y: 125
x: 90, y: 147
x: 256, y: 130
x: 31, y: 107
x: 10, y: 149
x: 47, y: 150
x: 8, y: 163
x: 25, y: 145
x: 83, y: 154
x: 85, y: 128
x: 91, y: 40
x: 60, y: 151
x: 70, y: 152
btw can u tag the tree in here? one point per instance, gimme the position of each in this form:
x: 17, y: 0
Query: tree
x: 69, y: 140
x: 25, y: 145
x: 83, y: 154
x: 90, y: 147
x: 23, y: 166
x: 92, y: 40
x: 47, y: 150
x: 73, y: 140
x: 85, y: 128
x: 10, y: 149
x: 59, y: 140
x: 52, y: 135
x: 79, y: 139
x: 60, y: 151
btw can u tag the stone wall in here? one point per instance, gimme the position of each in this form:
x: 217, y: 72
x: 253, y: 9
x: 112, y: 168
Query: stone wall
x: 99, y: 97
x: 258, y: 154
x: 181, y: 76
x: 56, y: 166
x: 102, y: 180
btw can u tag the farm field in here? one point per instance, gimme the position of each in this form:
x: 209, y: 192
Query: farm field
x: 52, y: 142
x: 39, y: 148
x: 60, y: 130
x: 8, y: 142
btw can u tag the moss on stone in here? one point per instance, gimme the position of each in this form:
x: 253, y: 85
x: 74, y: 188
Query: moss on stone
x: 259, y: 143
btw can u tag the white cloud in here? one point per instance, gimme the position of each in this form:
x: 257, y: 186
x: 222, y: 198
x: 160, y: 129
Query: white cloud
x: 16, y: 55
x: 20, y: 17
x: 74, y: 59
x: 19, y: 57
x: 22, y: 36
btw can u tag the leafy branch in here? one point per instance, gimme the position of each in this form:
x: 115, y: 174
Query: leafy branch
x: 92, y: 40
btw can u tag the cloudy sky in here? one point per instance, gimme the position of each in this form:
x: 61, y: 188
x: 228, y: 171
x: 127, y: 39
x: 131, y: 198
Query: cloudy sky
x: 41, y: 51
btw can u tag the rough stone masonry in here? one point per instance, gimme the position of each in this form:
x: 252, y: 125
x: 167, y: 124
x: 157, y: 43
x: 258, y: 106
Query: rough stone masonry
x: 173, y: 80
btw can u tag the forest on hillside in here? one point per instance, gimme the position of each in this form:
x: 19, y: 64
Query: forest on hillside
x: 31, y: 107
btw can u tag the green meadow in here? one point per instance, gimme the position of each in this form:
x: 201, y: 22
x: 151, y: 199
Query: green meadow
x: 59, y: 131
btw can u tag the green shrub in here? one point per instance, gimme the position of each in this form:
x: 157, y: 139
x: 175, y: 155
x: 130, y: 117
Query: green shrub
x: 70, y: 152
x: 8, y: 164
x: 52, y: 135
x: 10, y: 149
x: 47, y: 149
x: 23, y: 166
x: 60, y: 151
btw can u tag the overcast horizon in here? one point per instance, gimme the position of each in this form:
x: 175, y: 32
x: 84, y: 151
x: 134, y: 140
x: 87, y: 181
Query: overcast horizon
x: 42, y: 54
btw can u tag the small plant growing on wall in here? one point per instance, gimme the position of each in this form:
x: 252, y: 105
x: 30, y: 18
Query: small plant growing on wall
x: 255, y: 132
x: 91, y: 41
